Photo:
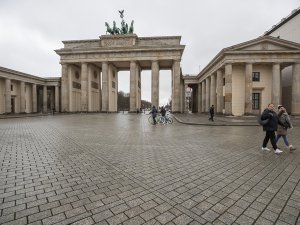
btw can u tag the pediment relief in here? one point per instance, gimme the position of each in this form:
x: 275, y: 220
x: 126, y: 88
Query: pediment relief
x: 266, y: 44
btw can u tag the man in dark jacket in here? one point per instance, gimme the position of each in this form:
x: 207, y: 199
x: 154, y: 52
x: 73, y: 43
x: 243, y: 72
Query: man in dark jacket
x: 212, y: 112
x: 270, y: 128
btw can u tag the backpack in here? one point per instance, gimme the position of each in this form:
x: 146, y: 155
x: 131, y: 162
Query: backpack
x: 262, y: 122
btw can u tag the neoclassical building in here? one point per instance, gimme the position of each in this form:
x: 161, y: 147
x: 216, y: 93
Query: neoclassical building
x: 25, y: 93
x: 89, y: 78
x: 244, y: 78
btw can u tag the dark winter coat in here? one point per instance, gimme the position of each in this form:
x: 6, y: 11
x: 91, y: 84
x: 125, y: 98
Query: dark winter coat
x: 272, y: 125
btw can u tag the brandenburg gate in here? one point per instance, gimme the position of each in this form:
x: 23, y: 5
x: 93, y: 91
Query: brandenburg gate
x: 90, y: 69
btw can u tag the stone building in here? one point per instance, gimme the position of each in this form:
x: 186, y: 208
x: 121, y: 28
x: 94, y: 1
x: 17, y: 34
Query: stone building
x: 25, y: 93
x: 90, y: 69
x: 244, y: 78
x: 89, y: 79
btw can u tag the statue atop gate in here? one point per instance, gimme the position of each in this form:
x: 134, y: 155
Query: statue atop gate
x: 124, y: 26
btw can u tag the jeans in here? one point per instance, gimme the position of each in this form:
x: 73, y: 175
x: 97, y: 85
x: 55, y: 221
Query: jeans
x: 270, y: 135
x: 285, y: 139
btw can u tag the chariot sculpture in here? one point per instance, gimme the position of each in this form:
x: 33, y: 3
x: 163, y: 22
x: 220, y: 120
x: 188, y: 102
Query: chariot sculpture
x: 124, y: 26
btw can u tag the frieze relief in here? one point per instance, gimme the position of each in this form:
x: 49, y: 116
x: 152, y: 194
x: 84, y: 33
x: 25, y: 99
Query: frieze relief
x: 124, y: 55
x: 117, y: 41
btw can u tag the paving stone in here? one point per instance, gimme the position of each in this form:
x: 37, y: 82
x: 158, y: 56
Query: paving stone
x: 149, y: 214
x: 54, y: 219
x: 183, y: 220
x: 117, y: 219
x: 102, y: 215
x: 165, y: 217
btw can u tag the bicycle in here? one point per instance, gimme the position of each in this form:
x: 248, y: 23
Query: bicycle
x: 157, y: 119
x: 166, y: 120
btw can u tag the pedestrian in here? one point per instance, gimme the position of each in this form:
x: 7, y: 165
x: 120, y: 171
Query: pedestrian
x: 270, y: 128
x: 154, y: 113
x: 163, y: 114
x: 212, y: 113
x: 282, y: 130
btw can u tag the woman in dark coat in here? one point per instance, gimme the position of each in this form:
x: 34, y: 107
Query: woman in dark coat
x: 270, y: 128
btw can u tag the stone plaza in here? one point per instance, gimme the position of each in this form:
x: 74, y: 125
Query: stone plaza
x: 118, y: 169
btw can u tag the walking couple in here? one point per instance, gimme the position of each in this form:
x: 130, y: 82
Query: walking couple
x: 276, y: 122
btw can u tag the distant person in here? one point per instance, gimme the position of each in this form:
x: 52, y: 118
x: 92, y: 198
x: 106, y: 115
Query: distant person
x: 270, y: 128
x: 154, y: 114
x: 282, y: 129
x: 212, y: 113
x: 163, y: 114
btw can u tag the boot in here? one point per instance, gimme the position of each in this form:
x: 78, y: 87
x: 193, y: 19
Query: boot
x: 292, y: 148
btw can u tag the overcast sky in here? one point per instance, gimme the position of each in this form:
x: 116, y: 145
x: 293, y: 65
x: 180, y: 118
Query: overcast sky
x: 30, y: 30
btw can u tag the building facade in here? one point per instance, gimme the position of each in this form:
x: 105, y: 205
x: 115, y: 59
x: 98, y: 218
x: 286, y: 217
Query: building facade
x: 90, y: 70
x: 244, y: 78
x: 89, y: 77
x: 24, y: 93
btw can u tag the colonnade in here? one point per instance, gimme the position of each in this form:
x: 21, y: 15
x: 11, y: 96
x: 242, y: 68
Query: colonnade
x: 230, y: 88
x: 106, y: 86
x: 22, y: 96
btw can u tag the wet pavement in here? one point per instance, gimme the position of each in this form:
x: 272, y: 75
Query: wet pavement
x: 119, y: 169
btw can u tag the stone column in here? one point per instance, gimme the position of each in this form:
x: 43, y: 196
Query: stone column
x: 45, y: 108
x: 56, y: 98
x: 296, y: 90
x: 176, y: 85
x: 213, y: 90
x: 22, y: 97
x: 105, y: 87
x: 220, y: 99
x: 70, y: 89
x: 34, y: 98
x: 199, y: 98
x: 90, y: 74
x: 64, y: 88
x: 7, y: 96
x: 155, y: 84
x: 228, y: 89
x: 84, y: 88
x: 100, y: 90
x: 133, y: 87
x: 207, y: 94
x: 138, y: 85
x: 248, y: 89
x: 276, y: 85
x: 203, y: 96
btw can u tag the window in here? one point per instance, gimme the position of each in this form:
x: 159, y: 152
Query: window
x: 256, y: 76
x: 11, y: 87
x: 224, y: 82
x: 255, y: 101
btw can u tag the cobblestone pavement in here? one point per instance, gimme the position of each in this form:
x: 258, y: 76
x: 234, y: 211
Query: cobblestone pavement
x: 117, y: 168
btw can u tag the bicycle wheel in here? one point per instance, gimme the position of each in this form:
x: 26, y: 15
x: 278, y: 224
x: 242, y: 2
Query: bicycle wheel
x: 159, y: 119
x: 150, y: 120
x: 169, y: 120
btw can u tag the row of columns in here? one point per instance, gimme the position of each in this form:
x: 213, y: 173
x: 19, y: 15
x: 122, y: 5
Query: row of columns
x: 22, y: 97
x: 210, y: 90
x: 135, y: 86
